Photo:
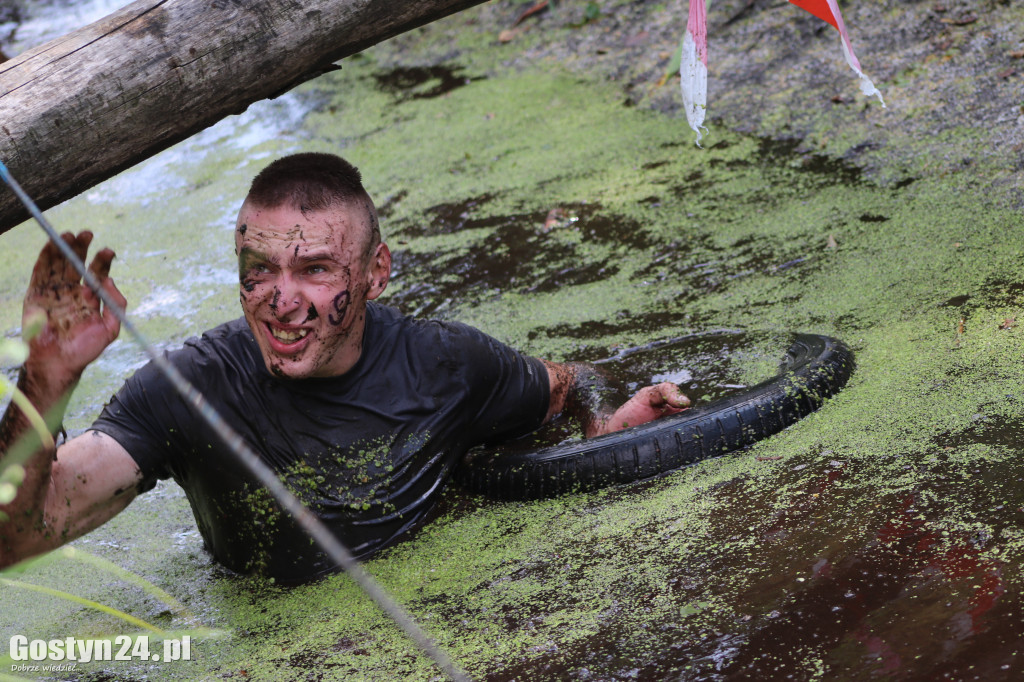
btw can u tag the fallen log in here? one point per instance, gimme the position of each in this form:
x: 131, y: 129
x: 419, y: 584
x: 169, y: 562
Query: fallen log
x: 83, y: 107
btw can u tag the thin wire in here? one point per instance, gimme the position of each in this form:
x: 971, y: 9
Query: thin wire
x: 303, y: 516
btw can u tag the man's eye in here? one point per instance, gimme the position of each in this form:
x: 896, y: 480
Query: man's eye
x: 253, y: 271
x: 316, y: 269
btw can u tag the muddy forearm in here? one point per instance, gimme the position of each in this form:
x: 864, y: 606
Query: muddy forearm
x: 23, y: 517
x: 585, y: 395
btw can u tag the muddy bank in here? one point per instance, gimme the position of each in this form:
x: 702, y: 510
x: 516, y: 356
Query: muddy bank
x: 950, y: 72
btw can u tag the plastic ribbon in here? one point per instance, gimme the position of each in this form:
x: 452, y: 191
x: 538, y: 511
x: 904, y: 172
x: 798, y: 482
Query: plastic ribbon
x: 693, y: 62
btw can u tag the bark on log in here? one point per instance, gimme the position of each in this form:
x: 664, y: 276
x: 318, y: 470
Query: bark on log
x: 81, y: 108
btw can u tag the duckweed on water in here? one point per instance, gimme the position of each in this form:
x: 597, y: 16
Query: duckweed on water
x: 881, y: 531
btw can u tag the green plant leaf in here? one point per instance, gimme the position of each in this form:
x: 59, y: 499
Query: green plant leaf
x: 673, y: 64
x: 13, y: 351
x: 32, y: 325
x: 176, y: 607
x: 34, y: 419
x: 30, y: 564
x: 138, y: 622
x: 13, y: 474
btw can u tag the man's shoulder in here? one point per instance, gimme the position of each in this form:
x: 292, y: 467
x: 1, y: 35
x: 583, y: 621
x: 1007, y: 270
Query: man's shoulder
x: 424, y: 333
x: 231, y: 343
x: 385, y: 322
x: 235, y: 333
x: 455, y: 348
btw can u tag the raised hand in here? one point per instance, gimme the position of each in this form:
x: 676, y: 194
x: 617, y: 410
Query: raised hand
x: 76, y: 327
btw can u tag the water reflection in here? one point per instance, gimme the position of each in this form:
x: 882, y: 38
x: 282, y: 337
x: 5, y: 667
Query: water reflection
x: 276, y: 120
x: 34, y: 23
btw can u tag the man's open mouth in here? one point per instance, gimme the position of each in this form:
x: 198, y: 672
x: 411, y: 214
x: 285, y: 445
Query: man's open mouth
x: 288, y: 336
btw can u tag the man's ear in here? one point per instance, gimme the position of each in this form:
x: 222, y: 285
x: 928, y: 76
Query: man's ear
x: 379, y: 271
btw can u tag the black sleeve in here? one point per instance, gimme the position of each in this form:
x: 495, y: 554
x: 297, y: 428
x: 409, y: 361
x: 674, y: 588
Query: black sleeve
x: 509, y: 391
x: 149, y: 420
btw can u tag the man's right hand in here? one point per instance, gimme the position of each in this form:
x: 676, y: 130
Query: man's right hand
x: 91, y: 477
x: 76, y: 327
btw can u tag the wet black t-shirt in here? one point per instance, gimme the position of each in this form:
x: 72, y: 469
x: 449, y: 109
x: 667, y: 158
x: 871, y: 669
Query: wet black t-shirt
x: 367, y: 451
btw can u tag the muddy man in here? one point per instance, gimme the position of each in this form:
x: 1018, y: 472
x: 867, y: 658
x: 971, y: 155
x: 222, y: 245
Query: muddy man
x: 362, y: 411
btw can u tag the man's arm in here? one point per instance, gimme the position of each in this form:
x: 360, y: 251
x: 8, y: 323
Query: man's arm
x: 70, y: 491
x: 90, y: 481
x: 581, y: 392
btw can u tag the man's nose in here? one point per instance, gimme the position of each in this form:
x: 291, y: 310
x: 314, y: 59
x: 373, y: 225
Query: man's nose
x: 290, y: 298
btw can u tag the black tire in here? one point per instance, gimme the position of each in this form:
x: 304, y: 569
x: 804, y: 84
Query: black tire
x: 815, y: 368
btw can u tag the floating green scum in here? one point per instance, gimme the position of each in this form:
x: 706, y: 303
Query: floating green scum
x: 880, y: 534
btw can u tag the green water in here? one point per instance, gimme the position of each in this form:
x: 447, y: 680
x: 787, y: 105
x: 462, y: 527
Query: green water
x: 885, y: 527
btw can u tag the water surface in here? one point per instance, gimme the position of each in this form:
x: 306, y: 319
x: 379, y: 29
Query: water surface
x: 877, y: 539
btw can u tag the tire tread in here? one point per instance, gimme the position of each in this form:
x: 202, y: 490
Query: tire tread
x: 815, y: 368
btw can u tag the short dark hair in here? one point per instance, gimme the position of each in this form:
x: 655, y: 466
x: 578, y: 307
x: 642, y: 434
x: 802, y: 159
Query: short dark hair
x: 313, y: 181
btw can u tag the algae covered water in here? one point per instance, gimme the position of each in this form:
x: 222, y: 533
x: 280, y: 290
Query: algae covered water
x: 878, y: 538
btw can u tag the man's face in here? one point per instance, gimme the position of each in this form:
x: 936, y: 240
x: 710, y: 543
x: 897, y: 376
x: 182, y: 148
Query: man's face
x: 304, y: 282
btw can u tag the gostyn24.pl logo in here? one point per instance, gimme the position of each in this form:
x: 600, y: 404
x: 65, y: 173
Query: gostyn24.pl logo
x: 74, y: 650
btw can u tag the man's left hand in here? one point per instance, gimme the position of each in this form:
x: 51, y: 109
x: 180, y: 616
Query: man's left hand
x: 646, y: 405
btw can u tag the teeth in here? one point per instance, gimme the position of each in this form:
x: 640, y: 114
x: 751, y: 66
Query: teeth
x: 289, y: 336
